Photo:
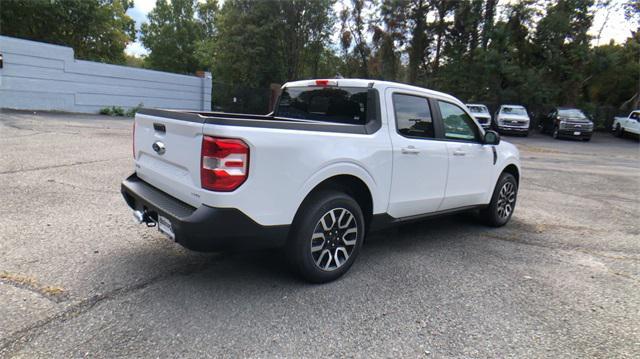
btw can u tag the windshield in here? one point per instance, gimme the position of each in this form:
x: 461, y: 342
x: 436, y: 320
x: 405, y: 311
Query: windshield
x: 570, y: 112
x: 478, y: 109
x: 333, y: 104
x: 520, y: 111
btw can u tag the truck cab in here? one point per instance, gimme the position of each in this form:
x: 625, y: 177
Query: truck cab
x: 628, y: 124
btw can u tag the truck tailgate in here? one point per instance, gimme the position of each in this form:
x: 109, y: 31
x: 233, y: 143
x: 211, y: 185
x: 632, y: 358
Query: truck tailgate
x: 167, y: 153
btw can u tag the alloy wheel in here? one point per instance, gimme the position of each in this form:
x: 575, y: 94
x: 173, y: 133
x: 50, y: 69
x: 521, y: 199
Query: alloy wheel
x: 506, y: 200
x: 334, y: 239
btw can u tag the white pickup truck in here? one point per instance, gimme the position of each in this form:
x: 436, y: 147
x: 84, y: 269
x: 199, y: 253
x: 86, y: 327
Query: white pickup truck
x: 335, y: 160
x: 629, y: 124
x: 512, y: 119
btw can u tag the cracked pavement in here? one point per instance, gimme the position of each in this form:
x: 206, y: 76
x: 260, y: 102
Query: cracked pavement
x: 79, y: 278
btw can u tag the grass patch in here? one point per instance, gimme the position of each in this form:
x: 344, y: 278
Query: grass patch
x: 22, y: 281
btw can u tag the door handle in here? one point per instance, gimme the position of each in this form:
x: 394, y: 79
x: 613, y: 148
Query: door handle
x: 410, y: 150
x: 459, y: 153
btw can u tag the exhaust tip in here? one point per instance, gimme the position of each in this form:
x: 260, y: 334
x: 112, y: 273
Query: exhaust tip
x: 138, y: 216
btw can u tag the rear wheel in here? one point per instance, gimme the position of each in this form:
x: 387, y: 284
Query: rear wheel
x: 326, y: 236
x: 503, y: 201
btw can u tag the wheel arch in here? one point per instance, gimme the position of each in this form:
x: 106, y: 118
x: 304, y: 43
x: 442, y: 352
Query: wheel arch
x: 513, y: 170
x: 350, y: 184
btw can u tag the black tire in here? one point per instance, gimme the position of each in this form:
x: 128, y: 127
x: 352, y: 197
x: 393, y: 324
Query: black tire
x: 308, y: 222
x: 619, y: 131
x: 556, y: 133
x: 586, y: 139
x: 492, y: 214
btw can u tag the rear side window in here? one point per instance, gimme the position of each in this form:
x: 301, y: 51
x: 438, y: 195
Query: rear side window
x: 346, y: 105
x: 413, y: 116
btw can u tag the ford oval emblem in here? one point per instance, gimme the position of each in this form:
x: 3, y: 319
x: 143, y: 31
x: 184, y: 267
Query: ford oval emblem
x: 159, y: 147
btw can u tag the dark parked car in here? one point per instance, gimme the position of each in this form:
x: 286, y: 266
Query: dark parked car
x: 567, y: 122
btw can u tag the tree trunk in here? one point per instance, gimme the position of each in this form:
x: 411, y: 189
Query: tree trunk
x: 489, y: 13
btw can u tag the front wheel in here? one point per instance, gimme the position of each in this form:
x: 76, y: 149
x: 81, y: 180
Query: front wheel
x: 619, y: 131
x: 503, y: 201
x: 326, y: 236
x: 556, y: 133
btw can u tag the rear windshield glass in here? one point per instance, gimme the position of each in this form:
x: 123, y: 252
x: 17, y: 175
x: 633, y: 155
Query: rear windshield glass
x: 571, y: 112
x: 514, y: 111
x: 333, y: 104
x: 478, y: 109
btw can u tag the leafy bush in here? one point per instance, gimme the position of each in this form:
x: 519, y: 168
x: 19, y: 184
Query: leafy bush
x: 132, y: 111
x: 117, y: 111
x: 106, y: 111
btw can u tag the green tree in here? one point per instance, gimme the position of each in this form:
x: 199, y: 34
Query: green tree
x: 615, y: 75
x: 172, y: 35
x: 306, y: 27
x: 563, y: 45
x: 97, y: 30
x: 420, y: 39
x: 354, y: 40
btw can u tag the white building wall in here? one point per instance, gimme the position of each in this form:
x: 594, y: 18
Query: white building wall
x: 39, y: 76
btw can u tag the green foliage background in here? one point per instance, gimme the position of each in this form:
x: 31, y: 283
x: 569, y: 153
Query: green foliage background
x: 535, y: 52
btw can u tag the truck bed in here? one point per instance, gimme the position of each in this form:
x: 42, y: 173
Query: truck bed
x: 267, y: 121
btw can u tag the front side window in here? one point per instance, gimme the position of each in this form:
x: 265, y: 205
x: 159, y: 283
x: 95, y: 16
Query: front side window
x: 458, y: 125
x: 346, y: 105
x: 413, y: 116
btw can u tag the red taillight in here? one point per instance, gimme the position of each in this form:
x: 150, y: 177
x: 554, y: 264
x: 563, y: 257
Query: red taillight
x: 224, y: 163
x: 133, y: 143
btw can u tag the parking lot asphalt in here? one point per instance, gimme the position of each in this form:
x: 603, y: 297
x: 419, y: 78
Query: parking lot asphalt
x: 79, y: 278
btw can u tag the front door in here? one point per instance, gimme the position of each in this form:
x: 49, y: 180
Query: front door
x: 420, y: 163
x: 470, y: 161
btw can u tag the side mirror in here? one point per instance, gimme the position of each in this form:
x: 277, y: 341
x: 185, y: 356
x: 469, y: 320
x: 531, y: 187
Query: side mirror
x: 491, y: 138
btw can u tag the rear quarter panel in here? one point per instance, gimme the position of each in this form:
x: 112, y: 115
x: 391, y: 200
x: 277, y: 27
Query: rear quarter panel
x: 285, y: 165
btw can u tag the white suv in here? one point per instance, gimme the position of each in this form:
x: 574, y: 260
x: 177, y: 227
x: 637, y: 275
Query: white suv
x: 335, y: 160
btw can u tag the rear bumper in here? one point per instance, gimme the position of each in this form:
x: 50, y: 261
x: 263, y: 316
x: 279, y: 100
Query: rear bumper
x: 204, y: 228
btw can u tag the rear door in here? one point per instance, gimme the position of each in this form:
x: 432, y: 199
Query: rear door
x: 167, y: 154
x: 419, y: 162
x: 470, y: 162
